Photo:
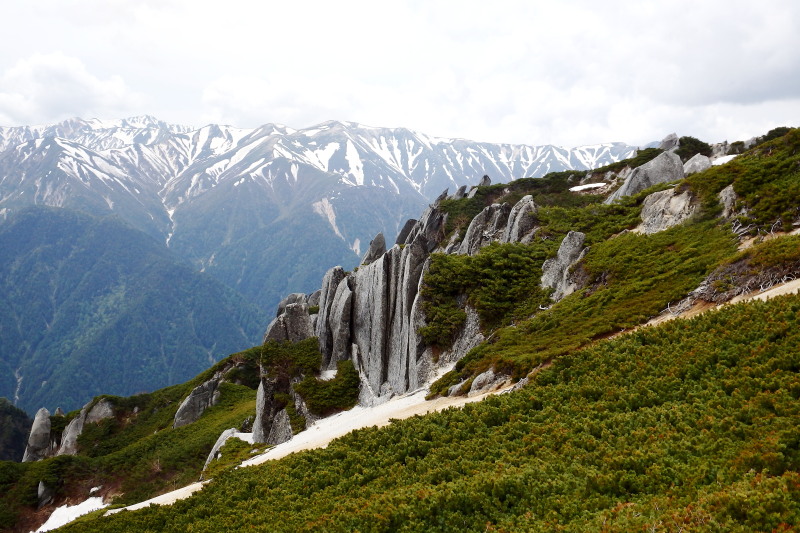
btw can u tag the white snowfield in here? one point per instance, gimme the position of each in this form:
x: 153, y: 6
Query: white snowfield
x: 67, y: 513
x: 587, y: 186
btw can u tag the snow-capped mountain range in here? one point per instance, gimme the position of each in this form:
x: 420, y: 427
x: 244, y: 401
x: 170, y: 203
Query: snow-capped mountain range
x: 222, y: 197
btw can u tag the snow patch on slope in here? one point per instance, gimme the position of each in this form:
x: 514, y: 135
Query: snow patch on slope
x: 325, y: 209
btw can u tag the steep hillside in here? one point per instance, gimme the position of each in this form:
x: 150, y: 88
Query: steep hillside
x: 691, y: 425
x: 92, y: 306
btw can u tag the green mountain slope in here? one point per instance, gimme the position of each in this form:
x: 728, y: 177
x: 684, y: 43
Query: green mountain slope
x: 93, y: 306
x: 689, y: 425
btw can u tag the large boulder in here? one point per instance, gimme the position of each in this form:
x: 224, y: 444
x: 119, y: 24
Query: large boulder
x: 39, y: 439
x: 101, y: 410
x: 663, y: 169
x: 521, y: 220
x: 664, y: 209
x: 670, y: 142
x: 698, y: 163
x: 294, y: 324
x: 556, y: 271
x: 201, y: 398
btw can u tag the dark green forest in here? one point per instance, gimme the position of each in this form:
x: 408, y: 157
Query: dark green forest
x: 93, y: 306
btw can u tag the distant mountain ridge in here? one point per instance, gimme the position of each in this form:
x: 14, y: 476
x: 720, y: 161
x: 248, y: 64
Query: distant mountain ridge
x: 221, y: 196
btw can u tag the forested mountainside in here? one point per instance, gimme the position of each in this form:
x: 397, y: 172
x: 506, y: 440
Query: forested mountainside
x: 544, y: 284
x: 91, y: 306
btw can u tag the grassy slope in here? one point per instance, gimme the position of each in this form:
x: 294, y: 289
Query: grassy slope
x: 691, y: 424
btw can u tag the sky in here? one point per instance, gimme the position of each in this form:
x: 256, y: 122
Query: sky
x: 563, y: 72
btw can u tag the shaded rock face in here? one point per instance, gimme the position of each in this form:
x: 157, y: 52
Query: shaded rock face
x: 664, y: 168
x: 201, y: 398
x: 294, y: 298
x: 407, y: 227
x: 39, y: 439
x: 377, y: 247
x: 267, y: 414
x: 698, y: 163
x: 556, y: 271
x: 372, y: 315
x: 281, y: 429
x: 664, y: 209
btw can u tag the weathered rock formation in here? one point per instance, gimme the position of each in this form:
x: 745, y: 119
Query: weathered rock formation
x: 39, y: 444
x: 556, y: 272
x: 664, y: 209
x: 201, y: 398
x: 521, y: 220
x: 664, y: 168
x: 698, y: 163
x: 486, y: 227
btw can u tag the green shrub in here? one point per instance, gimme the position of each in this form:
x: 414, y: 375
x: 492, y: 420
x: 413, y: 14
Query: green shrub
x: 327, y: 397
x: 689, y: 147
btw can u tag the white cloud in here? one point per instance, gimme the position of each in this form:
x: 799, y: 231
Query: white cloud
x: 45, y: 88
x: 508, y: 71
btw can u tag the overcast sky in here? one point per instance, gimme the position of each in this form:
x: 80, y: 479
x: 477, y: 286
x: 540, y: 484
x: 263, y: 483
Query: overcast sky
x: 530, y: 72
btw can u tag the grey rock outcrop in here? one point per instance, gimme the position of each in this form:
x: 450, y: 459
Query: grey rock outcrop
x: 39, y: 445
x: 486, y: 227
x: 727, y: 198
x: 69, y: 440
x: 201, y: 398
x: 293, y: 324
x: 485, y: 181
x: 521, y: 220
x: 670, y: 142
x: 101, y: 410
x: 486, y: 382
x: 461, y: 192
x: 698, y: 163
x: 556, y: 271
x: 377, y: 247
x: 664, y: 168
x: 664, y: 209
